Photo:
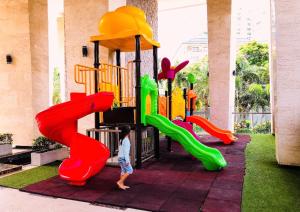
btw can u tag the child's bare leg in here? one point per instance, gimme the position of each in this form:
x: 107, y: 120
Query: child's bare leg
x: 120, y: 183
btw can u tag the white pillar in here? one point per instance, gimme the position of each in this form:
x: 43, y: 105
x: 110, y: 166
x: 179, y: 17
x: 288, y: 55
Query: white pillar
x: 221, y: 56
x: 81, y: 21
x: 286, y: 80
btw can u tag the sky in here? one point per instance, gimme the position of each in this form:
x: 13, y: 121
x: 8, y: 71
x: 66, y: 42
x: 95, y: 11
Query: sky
x: 180, y: 20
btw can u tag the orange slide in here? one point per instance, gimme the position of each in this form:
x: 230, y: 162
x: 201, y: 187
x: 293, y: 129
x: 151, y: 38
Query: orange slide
x: 225, y: 135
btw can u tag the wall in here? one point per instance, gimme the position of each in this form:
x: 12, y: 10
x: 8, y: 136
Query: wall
x: 286, y: 81
x: 81, y: 22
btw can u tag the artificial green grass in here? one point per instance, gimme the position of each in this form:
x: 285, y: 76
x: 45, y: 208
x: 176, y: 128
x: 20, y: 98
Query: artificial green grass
x: 25, y: 178
x: 268, y: 186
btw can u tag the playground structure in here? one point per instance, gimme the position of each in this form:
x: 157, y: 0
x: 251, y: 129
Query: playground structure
x: 211, y: 158
x: 111, y: 78
x: 185, y: 110
x: 224, y: 135
x: 110, y: 94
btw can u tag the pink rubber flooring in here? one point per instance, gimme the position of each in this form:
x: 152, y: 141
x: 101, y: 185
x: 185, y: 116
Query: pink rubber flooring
x: 176, y: 182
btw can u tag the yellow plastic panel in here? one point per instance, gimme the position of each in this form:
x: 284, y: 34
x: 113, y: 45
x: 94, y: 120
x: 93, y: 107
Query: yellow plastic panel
x: 178, y: 104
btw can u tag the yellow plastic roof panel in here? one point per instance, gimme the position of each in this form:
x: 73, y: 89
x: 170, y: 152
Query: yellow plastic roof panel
x: 117, y: 29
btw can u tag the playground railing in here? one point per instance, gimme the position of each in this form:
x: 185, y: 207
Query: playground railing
x: 148, y: 144
x: 259, y: 122
x: 109, y: 136
x: 111, y: 78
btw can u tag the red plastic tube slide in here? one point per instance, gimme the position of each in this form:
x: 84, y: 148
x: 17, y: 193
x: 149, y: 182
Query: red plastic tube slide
x: 59, y: 123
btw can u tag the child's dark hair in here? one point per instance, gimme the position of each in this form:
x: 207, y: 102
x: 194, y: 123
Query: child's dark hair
x: 125, y: 130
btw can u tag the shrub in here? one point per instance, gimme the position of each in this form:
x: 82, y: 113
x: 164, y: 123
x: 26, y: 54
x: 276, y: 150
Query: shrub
x: 242, y: 124
x: 43, y: 144
x: 242, y: 127
x: 263, y: 128
x: 243, y: 130
x: 6, y: 138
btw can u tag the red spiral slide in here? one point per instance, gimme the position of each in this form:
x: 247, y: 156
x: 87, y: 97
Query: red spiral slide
x: 225, y: 135
x: 59, y: 123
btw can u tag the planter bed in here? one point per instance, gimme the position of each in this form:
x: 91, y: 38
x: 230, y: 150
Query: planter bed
x: 5, y: 149
x: 41, y: 158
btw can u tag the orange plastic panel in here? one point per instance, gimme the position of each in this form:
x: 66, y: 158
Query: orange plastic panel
x: 118, y: 29
x: 162, y: 100
x: 192, y: 95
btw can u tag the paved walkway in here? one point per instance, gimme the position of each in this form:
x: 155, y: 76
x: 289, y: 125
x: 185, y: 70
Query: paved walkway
x: 13, y: 200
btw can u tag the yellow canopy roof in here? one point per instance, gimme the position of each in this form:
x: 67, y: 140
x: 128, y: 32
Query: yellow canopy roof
x: 118, y: 30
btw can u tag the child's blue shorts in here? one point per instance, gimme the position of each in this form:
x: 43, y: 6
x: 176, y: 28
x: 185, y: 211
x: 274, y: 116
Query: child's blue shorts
x: 125, y: 168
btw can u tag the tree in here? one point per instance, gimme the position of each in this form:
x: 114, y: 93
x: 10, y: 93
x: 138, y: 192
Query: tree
x: 252, y: 78
x: 200, y: 71
x: 256, y: 53
x: 56, y: 87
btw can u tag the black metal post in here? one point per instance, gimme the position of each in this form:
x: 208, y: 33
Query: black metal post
x: 170, y: 110
x: 96, y: 81
x: 185, y: 109
x: 191, y: 100
x: 166, y: 95
x: 119, y: 74
x: 138, y: 101
x: 155, y: 75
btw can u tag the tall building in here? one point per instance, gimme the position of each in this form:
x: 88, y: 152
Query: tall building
x: 193, y: 49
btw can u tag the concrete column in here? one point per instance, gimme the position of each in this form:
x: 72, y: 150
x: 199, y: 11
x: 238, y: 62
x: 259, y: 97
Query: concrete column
x: 286, y: 80
x: 81, y: 21
x: 24, y: 83
x: 39, y: 57
x: 221, y: 62
x: 151, y: 9
x: 272, y: 64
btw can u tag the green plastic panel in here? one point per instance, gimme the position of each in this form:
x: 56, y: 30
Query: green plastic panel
x: 148, y: 87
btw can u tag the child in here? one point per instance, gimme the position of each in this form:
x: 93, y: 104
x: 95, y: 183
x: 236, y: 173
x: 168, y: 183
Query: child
x: 123, y: 157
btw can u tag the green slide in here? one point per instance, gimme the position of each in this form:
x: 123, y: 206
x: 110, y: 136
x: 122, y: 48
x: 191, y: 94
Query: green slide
x: 211, y: 158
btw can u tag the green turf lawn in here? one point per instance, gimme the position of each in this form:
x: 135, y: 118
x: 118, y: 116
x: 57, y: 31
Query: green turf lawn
x: 268, y: 186
x: 22, y: 179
